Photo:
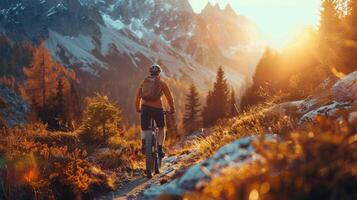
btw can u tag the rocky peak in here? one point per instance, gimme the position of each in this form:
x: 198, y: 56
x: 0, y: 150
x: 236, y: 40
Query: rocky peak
x: 209, y: 8
x: 229, y: 10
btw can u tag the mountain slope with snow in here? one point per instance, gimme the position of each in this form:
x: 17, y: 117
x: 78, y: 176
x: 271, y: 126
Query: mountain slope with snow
x: 104, y: 41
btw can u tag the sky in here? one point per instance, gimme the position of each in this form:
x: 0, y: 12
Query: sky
x: 278, y: 20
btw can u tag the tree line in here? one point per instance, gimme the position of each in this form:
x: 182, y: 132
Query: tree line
x: 295, y: 73
x: 221, y: 103
x: 317, y: 56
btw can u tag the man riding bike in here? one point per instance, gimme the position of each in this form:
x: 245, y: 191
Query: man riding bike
x: 149, y: 104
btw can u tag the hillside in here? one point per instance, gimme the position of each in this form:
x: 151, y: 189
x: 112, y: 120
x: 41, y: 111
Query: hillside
x: 244, y: 123
x: 110, y: 44
x: 266, y: 151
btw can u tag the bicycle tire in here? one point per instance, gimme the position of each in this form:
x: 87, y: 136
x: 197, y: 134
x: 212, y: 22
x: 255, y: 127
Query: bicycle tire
x: 160, y: 161
x: 156, y: 157
x: 149, y: 156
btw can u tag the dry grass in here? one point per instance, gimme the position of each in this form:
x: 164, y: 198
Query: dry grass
x: 318, y: 161
x: 257, y: 121
x: 38, y: 164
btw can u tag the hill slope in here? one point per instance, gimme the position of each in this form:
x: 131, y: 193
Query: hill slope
x: 111, y: 43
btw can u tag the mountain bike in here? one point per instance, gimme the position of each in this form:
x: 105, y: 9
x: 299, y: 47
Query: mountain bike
x: 152, y: 159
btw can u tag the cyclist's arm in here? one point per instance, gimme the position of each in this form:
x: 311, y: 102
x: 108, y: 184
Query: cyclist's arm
x: 138, y: 98
x: 168, y: 95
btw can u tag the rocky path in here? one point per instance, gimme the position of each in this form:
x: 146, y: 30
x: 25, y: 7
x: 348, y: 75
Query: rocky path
x: 135, y: 187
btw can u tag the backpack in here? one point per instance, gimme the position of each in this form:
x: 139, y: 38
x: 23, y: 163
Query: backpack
x: 151, y: 89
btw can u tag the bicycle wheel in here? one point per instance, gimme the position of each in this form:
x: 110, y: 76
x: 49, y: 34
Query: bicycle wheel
x: 149, y: 156
x: 156, y: 157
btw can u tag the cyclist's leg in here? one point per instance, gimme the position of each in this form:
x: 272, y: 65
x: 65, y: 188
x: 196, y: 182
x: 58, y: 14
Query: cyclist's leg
x: 159, y: 118
x: 161, y: 135
x: 145, y: 126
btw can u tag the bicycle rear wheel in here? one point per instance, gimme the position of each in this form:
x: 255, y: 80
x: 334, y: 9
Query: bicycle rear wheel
x: 149, y: 156
x: 156, y: 157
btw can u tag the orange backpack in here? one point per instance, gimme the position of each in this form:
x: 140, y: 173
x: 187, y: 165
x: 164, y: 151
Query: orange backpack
x: 151, y: 89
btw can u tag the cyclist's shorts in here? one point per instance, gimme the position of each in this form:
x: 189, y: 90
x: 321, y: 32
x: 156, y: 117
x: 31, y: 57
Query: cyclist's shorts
x: 149, y: 113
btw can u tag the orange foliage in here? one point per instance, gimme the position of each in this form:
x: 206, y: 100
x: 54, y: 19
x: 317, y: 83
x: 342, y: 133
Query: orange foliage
x: 317, y: 162
x: 42, y: 76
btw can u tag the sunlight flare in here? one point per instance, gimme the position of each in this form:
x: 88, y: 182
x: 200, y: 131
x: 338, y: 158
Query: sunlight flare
x: 278, y: 20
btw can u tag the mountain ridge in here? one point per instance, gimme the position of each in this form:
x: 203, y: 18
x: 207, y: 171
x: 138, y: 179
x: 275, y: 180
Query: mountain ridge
x: 115, y: 41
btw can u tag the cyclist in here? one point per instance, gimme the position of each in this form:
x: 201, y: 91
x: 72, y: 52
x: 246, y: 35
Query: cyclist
x: 148, y: 102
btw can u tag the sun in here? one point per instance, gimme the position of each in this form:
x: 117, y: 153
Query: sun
x: 278, y: 20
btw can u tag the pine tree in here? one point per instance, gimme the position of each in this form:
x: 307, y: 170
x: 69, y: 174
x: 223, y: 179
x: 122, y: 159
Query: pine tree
x: 41, y: 85
x: 352, y: 16
x: 217, y: 100
x: 349, y: 49
x: 191, y: 122
x: 172, y: 127
x: 331, y: 31
x: 101, y: 120
x: 233, y: 112
x: 74, y: 103
x: 266, y: 80
x: 207, y: 113
x: 41, y: 76
x: 60, y: 105
x: 330, y: 22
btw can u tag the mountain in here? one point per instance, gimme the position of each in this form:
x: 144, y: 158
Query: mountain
x: 110, y: 44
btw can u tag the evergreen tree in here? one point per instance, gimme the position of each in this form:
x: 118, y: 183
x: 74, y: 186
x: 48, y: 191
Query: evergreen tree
x: 207, y: 113
x: 349, y: 41
x: 233, y: 112
x: 41, y: 76
x: 331, y: 31
x: 74, y: 104
x: 330, y: 22
x: 217, y: 100
x: 265, y: 79
x: 352, y: 17
x: 172, y: 127
x: 41, y: 86
x: 101, y: 120
x: 191, y: 122
x: 60, y: 106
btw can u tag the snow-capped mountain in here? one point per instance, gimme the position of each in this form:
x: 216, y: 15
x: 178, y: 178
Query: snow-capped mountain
x: 113, y: 42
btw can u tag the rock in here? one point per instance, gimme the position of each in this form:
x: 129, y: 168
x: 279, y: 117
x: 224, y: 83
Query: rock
x: 346, y: 89
x: 103, y: 150
x: 330, y: 111
x: 286, y: 108
x: 352, y: 120
x: 234, y: 154
x: 91, y: 159
x: 13, y: 108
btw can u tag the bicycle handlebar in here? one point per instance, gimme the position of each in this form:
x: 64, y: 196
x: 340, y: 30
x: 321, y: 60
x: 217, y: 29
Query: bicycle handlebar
x: 165, y: 112
x: 168, y: 113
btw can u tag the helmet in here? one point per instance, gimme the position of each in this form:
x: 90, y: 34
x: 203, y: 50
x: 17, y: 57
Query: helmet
x: 155, y: 69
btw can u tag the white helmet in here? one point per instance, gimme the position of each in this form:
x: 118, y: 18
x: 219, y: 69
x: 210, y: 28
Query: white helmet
x: 155, y: 69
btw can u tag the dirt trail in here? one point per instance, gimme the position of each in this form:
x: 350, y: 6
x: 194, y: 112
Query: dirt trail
x: 130, y: 190
x: 134, y: 188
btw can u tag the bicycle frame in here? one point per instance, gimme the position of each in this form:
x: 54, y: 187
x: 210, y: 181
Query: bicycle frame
x: 153, y: 160
x: 154, y: 135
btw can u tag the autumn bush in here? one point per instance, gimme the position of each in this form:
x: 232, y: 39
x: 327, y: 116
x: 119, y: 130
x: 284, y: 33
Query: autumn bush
x: 255, y: 121
x: 315, y: 162
x: 35, y: 165
x: 101, y: 120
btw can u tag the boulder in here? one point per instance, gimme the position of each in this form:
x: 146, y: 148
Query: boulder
x: 330, y: 111
x: 345, y: 89
x: 103, y: 150
x: 352, y: 120
x: 13, y: 109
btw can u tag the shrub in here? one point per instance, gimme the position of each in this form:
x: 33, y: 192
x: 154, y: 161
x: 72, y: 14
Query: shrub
x: 33, y: 167
x: 101, y: 120
x: 318, y: 162
x: 256, y: 121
